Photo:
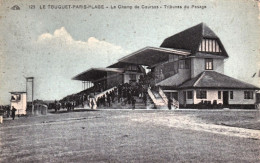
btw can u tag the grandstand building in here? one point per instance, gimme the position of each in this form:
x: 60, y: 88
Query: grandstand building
x: 188, y: 67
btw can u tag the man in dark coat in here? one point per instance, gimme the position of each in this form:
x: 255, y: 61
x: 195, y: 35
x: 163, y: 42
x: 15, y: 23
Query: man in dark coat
x: 8, y: 111
x: 13, y: 112
x: 145, y: 98
x: 109, y: 100
x: 170, y: 103
x: 133, y: 102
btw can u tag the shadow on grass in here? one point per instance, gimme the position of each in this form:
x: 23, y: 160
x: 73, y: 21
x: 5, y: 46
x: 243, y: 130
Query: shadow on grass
x: 78, y: 110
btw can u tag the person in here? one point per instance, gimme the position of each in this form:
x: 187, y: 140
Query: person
x: 73, y: 104
x: 133, y: 102
x: 82, y: 100
x: 169, y: 103
x: 55, y: 106
x: 13, y: 112
x: 145, y: 98
x: 8, y: 111
x: 98, y: 101
x: 109, y: 100
x: 129, y: 96
x: 92, y: 103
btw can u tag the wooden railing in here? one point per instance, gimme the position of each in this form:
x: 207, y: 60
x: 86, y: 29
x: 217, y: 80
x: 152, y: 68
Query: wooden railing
x: 104, y: 93
x: 175, y: 103
x: 158, y: 101
x: 164, y: 97
x: 150, y: 93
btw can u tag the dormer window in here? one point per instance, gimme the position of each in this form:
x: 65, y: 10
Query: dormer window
x: 209, y: 45
x: 208, y: 64
x: 132, y: 68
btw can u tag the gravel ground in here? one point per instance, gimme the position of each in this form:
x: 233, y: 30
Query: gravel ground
x: 132, y: 136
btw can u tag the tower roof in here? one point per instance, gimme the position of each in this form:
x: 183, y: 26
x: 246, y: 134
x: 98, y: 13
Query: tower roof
x: 191, y: 38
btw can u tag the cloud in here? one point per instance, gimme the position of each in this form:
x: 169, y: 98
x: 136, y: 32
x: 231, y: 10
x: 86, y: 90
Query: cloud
x: 63, y: 57
x: 61, y: 38
x: 94, y: 52
x: 54, y: 58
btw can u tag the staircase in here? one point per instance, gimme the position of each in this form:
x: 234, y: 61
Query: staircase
x: 157, y: 99
x: 175, y: 103
x: 160, y: 100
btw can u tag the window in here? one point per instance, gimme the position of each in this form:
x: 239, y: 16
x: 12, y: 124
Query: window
x: 189, y: 94
x: 248, y: 94
x: 181, y: 64
x: 187, y: 64
x: 171, y: 58
x: 15, y: 97
x: 181, y: 57
x: 231, y: 94
x: 132, y: 77
x: 184, y: 64
x: 201, y: 94
x: 208, y: 64
x: 175, y: 66
x: 175, y: 58
x: 219, y: 94
x: 213, y: 45
x: 132, y: 68
x: 209, y: 45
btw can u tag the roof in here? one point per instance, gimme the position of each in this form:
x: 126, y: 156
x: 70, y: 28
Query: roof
x: 17, y: 92
x: 96, y: 73
x: 118, y: 65
x: 213, y: 79
x: 169, y: 82
x: 149, y: 56
x: 191, y: 38
x: 124, y: 65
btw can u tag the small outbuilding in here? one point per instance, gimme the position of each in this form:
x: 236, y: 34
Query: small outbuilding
x: 18, y: 101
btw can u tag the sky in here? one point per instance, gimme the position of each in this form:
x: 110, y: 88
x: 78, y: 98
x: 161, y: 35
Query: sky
x: 54, y: 45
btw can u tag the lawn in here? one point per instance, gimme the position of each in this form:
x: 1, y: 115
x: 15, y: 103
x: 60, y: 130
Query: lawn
x: 131, y: 136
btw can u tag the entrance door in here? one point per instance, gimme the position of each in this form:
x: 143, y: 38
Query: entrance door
x: 225, y: 98
x: 184, y: 97
x: 175, y: 95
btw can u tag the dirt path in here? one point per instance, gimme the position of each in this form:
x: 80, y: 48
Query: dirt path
x: 192, y: 123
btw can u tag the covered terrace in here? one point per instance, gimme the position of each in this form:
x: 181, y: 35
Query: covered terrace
x: 150, y: 56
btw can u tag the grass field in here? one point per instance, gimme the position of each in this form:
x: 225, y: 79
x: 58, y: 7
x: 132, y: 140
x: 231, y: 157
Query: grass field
x: 133, y: 136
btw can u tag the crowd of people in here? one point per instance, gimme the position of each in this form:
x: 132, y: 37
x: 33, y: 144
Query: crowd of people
x: 7, y: 111
x: 125, y: 94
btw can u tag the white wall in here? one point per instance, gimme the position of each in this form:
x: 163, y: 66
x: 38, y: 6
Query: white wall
x: 198, y: 66
x: 238, y: 98
x: 211, y: 96
x: 20, y: 105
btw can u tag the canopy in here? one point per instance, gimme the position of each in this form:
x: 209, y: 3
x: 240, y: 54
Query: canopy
x: 150, y: 56
x: 96, y: 73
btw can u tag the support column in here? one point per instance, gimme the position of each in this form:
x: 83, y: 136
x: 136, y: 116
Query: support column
x: 30, y: 80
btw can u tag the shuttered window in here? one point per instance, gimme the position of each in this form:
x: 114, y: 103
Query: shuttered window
x: 201, y: 94
x: 209, y: 45
x: 208, y: 64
